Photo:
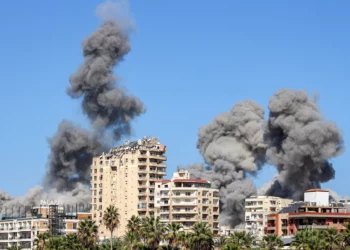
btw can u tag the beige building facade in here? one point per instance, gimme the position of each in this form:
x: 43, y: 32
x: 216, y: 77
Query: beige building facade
x: 258, y: 207
x: 125, y: 177
x: 186, y: 201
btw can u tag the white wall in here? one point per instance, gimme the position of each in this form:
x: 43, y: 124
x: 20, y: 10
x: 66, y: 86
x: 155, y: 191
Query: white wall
x: 321, y: 198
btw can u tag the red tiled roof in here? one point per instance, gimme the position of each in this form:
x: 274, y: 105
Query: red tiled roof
x: 191, y: 180
x: 165, y: 181
x: 316, y: 190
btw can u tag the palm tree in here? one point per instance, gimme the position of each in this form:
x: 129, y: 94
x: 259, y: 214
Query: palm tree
x: 173, y: 231
x: 134, y: 224
x: 242, y: 239
x: 111, y: 220
x: 201, y: 237
x: 55, y: 243
x: 40, y: 240
x: 183, y: 239
x: 220, y: 242
x: 346, y: 235
x: 118, y: 244
x: 309, y: 240
x: 271, y: 242
x: 332, y: 238
x: 71, y: 242
x: 153, y: 231
x: 132, y: 240
x: 87, y: 233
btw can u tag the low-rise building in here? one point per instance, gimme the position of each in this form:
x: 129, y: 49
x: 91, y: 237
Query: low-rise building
x: 186, y: 201
x: 315, y: 212
x: 22, y: 227
x: 258, y: 207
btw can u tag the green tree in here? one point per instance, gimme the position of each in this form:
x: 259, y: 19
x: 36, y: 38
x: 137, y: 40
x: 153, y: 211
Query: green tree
x: 87, y: 233
x: 153, y: 231
x: 184, y: 240
x: 118, y: 244
x: 71, y: 242
x: 111, y: 220
x: 220, y: 242
x: 271, y: 242
x: 241, y: 239
x: 173, y: 232
x: 346, y: 236
x: 332, y: 239
x: 132, y: 240
x: 309, y: 240
x: 201, y: 237
x: 40, y: 240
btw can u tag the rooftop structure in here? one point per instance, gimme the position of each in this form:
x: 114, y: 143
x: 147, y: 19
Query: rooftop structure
x: 186, y: 201
x: 313, y: 213
x: 125, y: 177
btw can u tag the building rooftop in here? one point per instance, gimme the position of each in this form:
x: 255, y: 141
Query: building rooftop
x: 191, y: 180
x: 316, y: 190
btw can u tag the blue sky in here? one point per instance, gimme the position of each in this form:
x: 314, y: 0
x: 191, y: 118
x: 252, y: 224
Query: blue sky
x: 190, y: 61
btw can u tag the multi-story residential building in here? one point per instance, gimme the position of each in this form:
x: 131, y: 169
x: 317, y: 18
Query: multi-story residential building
x: 314, y: 212
x: 22, y: 228
x: 125, y: 177
x: 186, y: 201
x: 258, y: 207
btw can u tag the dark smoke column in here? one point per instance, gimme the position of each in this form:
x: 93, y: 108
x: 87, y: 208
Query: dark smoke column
x: 300, y: 143
x: 232, y: 146
x: 106, y: 104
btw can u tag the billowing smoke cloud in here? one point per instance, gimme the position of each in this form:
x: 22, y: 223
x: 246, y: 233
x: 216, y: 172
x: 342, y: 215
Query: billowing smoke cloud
x: 72, y: 149
x: 106, y: 104
x: 300, y: 143
x: 232, y: 146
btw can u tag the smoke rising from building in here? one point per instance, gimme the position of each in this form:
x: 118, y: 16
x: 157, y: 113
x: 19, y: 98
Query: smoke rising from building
x: 232, y: 145
x: 296, y: 139
x: 105, y: 102
x: 72, y: 149
x: 300, y: 142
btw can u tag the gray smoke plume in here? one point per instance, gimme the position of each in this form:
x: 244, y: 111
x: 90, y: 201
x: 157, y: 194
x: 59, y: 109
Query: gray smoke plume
x: 106, y: 104
x: 300, y: 143
x: 4, y: 198
x: 72, y: 149
x: 232, y: 146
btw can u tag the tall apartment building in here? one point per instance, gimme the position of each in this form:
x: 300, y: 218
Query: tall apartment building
x: 125, y: 177
x: 22, y: 228
x: 186, y: 201
x: 258, y: 207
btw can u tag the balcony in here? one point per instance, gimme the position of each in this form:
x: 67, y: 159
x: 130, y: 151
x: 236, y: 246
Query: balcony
x: 183, y: 211
x: 194, y: 218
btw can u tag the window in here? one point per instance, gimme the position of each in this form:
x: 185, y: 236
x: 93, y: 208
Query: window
x: 188, y: 193
x: 95, y: 178
x: 95, y: 206
x: 100, y: 207
x: 95, y: 185
x: 166, y: 186
x: 100, y: 199
x: 177, y: 193
x: 101, y: 170
x: 94, y: 200
x: 159, y: 186
x: 126, y: 160
x: 95, y: 192
x: 74, y: 225
x: 132, y: 161
x: 95, y: 171
x: 94, y: 163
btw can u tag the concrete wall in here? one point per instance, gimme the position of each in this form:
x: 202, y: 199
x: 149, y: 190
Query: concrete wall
x: 320, y: 198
